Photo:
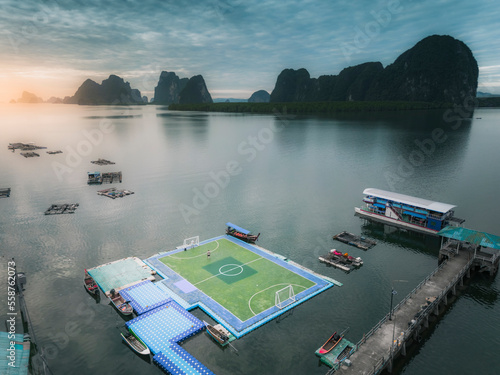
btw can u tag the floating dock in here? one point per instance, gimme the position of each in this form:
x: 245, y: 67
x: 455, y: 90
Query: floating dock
x: 343, y: 261
x: 354, y: 240
x: 335, y: 263
x: 4, y: 192
x: 339, y: 354
x: 121, y: 274
x: 24, y: 146
x: 99, y: 178
x: 114, y: 193
x: 67, y: 208
x: 102, y: 162
x: 30, y: 154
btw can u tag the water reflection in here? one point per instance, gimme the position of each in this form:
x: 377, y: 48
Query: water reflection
x: 420, y: 242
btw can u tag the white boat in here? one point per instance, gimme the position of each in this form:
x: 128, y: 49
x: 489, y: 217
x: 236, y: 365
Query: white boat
x: 407, y: 212
x: 135, y: 343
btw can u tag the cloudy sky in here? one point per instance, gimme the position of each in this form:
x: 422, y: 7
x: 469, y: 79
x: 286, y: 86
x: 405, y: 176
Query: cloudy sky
x: 50, y: 47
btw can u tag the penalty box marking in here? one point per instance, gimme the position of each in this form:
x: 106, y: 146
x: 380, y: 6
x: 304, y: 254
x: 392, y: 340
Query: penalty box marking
x: 195, y: 256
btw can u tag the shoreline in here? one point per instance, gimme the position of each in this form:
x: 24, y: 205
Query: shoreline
x: 309, y: 107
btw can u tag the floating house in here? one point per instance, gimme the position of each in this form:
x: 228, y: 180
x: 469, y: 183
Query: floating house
x: 94, y: 178
x: 407, y: 212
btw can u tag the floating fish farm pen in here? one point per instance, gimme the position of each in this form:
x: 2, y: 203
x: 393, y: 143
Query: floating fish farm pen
x: 354, y: 240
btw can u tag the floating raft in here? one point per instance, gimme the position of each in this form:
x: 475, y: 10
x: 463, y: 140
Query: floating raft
x: 29, y: 154
x: 68, y: 208
x: 54, y: 152
x: 24, y: 146
x: 354, y: 240
x: 4, y: 192
x: 114, y: 193
x: 335, y: 263
x: 99, y: 178
x: 342, y: 261
x: 340, y: 353
x: 102, y: 162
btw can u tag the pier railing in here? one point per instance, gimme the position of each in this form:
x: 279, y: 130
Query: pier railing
x: 395, y: 346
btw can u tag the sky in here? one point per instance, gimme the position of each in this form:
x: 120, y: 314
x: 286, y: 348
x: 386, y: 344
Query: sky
x: 49, y: 47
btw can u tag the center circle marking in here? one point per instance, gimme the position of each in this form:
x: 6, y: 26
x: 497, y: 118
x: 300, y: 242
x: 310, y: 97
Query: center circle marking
x: 230, y: 268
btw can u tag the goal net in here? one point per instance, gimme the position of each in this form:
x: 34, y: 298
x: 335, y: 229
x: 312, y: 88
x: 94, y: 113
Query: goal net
x: 284, y: 297
x: 191, y: 242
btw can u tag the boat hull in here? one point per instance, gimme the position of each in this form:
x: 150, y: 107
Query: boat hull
x: 90, y: 285
x: 394, y: 222
x: 135, y: 344
x: 330, y: 344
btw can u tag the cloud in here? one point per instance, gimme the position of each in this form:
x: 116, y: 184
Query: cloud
x: 235, y: 45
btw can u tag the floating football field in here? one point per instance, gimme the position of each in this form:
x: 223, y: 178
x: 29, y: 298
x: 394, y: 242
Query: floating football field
x: 235, y: 282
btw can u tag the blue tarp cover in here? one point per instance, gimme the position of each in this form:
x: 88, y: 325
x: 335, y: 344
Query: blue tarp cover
x: 239, y: 229
x: 414, y: 214
x: 379, y: 205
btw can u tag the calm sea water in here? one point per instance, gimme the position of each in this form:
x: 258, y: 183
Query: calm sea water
x: 294, y: 179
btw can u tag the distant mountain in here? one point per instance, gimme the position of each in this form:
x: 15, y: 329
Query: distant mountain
x: 436, y: 69
x: 113, y: 90
x: 230, y: 100
x: 54, y: 100
x: 172, y: 90
x: 168, y: 88
x: 195, y: 91
x: 480, y: 94
x: 261, y: 96
x: 28, y: 97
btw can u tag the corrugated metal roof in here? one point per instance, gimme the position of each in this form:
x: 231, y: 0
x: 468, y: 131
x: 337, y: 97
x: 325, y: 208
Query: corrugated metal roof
x: 472, y: 236
x: 406, y: 199
x: 21, y: 355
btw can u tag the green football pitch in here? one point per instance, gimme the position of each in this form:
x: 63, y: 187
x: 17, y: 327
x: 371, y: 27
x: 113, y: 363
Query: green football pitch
x: 242, y: 281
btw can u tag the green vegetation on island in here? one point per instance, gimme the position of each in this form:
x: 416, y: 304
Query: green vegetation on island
x: 308, y: 107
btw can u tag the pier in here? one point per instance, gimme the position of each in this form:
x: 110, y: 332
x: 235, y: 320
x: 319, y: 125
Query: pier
x: 462, y: 250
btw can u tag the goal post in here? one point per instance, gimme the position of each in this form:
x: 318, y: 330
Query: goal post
x: 284, y: 297
x: 191, y: 242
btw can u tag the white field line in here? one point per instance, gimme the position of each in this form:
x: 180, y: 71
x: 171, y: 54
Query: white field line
x: 220, y: 273
x: 195, y: 256
x: 272, y: 286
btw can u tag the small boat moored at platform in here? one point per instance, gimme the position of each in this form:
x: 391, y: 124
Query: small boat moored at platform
x: 330, y: 344
x: 119, y: 302
x: 408, y: 212
x: 90, y: 284
x: 135, y: 343
x: 217, y: 334
x: 242, y: 234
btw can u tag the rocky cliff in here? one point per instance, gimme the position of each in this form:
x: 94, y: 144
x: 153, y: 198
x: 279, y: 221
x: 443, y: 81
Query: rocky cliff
x: 169, y: 87
x: 261, y: 96
x: 195, y: 91
x: 439, y: 68
x: 436, y: 69
x: 113, y: 90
